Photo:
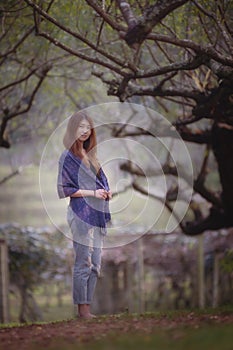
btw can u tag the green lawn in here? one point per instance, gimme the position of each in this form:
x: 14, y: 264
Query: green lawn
x: 175, y: 330
x: 205, y: 338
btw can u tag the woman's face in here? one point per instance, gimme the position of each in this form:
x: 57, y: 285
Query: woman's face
x: 84, y: 130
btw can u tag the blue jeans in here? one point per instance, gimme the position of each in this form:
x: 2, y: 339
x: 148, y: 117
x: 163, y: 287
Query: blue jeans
x: 87, y: 264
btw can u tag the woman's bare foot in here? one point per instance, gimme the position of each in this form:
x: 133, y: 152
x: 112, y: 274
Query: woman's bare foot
x: 84, y: 311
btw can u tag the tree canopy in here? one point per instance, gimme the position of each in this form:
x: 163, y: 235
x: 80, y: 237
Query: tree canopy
x: 174, y: 55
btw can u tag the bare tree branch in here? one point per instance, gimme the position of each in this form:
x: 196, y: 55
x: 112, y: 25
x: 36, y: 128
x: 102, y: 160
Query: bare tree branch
x: 220, y: 26
x: 131, y: 89
x: 196, y: 62
x: 186, y: 121
x: 84, y: 57
x: 127, y: 13
x: 9, y: 176
x: 208, y: 50
x: 135, y: 90
x: 21, y: 80
x: 214, y: 221
x: 17, y: 45
x: 105, y: 16
x: 223, y: 17
x: 74, y: 34
x: 164, y: 201
x: 152, y: 16
x: 23, y: 38
x: 8, y: 115
x: 199, y: 186
x: 197, y: 136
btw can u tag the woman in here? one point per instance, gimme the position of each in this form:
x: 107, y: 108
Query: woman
x: 82, y: 179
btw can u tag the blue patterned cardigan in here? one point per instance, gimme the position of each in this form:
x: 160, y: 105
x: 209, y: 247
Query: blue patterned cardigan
x: 74, y: 175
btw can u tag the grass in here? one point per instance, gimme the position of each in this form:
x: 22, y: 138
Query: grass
x: 50, y: 308
x: 175, y: 335
x: 214, y: 337
x: 207, y: 338
x: 55, y: 312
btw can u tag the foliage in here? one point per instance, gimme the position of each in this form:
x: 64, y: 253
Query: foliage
x: 33, y: 259
x: 31, y: 254
x: 227, y: 261
x: 40, y: 82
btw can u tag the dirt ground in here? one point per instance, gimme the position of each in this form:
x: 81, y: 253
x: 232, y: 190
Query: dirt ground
x: 72, y: 331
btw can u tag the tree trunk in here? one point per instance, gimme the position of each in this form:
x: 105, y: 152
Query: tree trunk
x: 29, y: 310
x: 218, y: 106
x: 222, y: 135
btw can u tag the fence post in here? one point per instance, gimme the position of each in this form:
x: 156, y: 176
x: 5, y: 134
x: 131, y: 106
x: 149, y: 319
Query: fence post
x: 215, y: 280
x: 4, y: 283
x: 141, y: 284
x: 201, y: 272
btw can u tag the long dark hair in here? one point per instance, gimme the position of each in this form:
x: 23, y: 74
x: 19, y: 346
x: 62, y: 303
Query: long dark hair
x: 71, y: 142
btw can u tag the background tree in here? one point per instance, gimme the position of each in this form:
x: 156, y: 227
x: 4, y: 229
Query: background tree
x: 179, y: 53
x: 174, y: 56
x: 34, y: 258
x: 35, y: 78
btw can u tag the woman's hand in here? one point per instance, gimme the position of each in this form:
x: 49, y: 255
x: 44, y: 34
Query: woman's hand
x: 101, y: 194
